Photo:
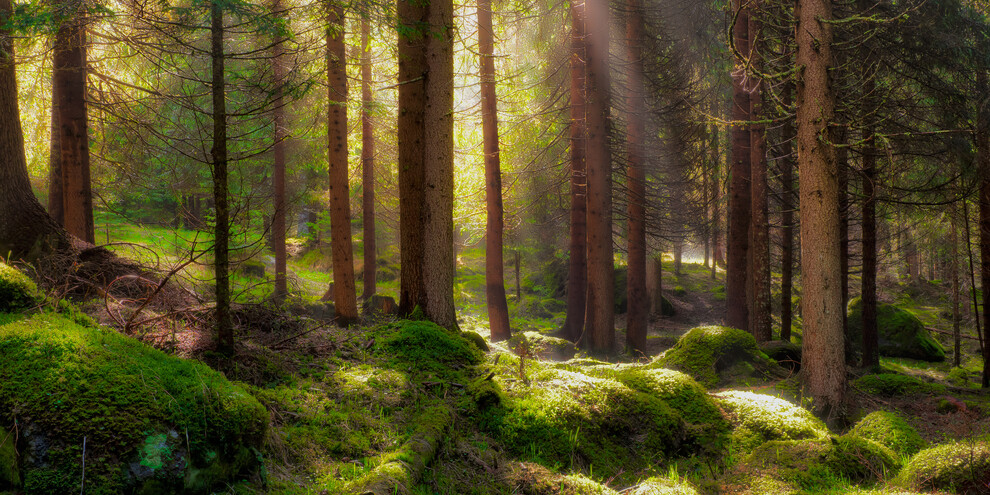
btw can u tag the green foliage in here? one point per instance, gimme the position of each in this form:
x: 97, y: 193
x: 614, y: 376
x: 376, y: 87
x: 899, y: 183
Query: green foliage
x: 716, y: 355
x: 758, y: 418
x: 892, y: 384
x: 663, y: 486
x: 424, y: 347
x: 857, y: 458
x: 534, y: 344
x: 891, y: 430
x: 17, y: 291
x: 962, y: 467
x: 62, y: 381
x: 900, y: 333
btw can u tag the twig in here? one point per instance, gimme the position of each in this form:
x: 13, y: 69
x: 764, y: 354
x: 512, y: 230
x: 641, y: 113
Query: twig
x: 82, y: 485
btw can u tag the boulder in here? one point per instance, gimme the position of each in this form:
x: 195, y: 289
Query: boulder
x: 757, y: 419
x: 961, y: 467
x: 901, y: 334
x: 380, y: 305
x: 537, y: 345
x: 17, y: 291
x: 719, y: 356
x: 891, y: 430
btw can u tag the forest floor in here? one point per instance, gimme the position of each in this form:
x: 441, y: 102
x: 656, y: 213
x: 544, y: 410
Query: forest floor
x: 344, y: 405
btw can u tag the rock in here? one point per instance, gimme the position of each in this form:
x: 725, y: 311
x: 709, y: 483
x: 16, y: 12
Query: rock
x: 475, y: 339
x: 896, y: 385
x: 17, y: 291
x: 901, y: 334
x: 537, y: 345
x: 719, y: 356
x: 322, y: 311
x: 961, y: 467
x: 666, y: 307
x: 252, y: 268
x: 758, y: 418
x: 787, y: 354
x: 663, y: 486
x: 380, y: 305
x: 891, y: 430
x: 153, y: 423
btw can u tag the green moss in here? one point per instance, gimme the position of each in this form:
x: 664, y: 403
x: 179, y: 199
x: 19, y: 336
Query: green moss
x: 781, y: 467
x: 534, y: 344
x: 475, y: 339
x: 663, y: 486
x: 62, y: 382
x: 900, y: 333
x: 716, y: 355
x: 857, y: 458
x: 425, y: 347
x: 963, y: 467
x: 533, y: 479
x: 892, y: 384
x: 17, y: 291
x: 758, y: 418
x: 891, y: 430
x: 10, y: 474
x: 679, y: 291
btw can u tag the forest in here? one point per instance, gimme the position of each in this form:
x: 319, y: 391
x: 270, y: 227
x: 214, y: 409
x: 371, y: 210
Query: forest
x: 582, y: 247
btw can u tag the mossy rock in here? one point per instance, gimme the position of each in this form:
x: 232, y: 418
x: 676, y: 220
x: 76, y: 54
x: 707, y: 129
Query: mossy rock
x: 574, y: 420
x: 537, y: 345
x: 860, y: 459
x: 900, y: 333
x: 891, y: 430
x: 663, y: 486
x: 421, y: 346
x: 786, y: 354
x: 252, y: 268
x: 152, y: 423
x: 534, y: 479
x: 17, y: 291
x: 758, y: 418
x: 779, y: 467
x: 476, y: 339
x: 961, y: 467
x: 896, y: 385
x: 719, y: 356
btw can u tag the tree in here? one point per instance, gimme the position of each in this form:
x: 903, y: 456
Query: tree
x: 69, y: 80
x: 740, y: 203
x: 577, y: 267
x: 599, y: 321
x: 786, y: 219
x: 341, y: 248
x: 221, y: 231
x: 498, y: 309
x: 759, y: 228
x: 367, y: 164
x: 823, y: 363
x: 637, y: 314
x: 278, y: 155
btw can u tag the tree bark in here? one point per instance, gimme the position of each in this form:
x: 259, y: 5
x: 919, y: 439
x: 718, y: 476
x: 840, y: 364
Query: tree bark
x: 715, y: 184
x: 759, y: 240
x: 278, y: 170
x: 871, y: 353
x: 577, y: 267
x: 498, y: 309
x: 982, y: 136
x: 842, y: 165
x: 368, y: 166
x: 956, y: 336
x: 599, y: 314
x: 341, y: 247
x: 823, y: 363
x: 972, y: 274
x: 221, y: 230
x: 787, y: 220
x: 737, y: 244
x: 637, y: 312
x: 56, y: 202
x: 69, y: 76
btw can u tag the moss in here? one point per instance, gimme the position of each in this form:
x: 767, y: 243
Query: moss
x: 62, y: 382
x: 10, y: 475
x: 962, y: 467
x: 533, y: 479
x: 758, y: 418
x: 857, y: 458
x: 534, y: 344
x: 475, y: 339
x: 716, y: 355
x: 892, y: 384
x: 663, y: 486
x: 780, y: 467
x: 424, y: 347
x: 17, y: 291
x: 900, y: 333
x: 891, y: 430
x: 679, y: 291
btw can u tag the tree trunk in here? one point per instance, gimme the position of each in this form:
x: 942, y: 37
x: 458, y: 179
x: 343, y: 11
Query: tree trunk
x: 842, y: 165
x: 737, y: 244
x: 972, y: 274
x: 517, y: 257
x: 654, y: 283
x: 278, y: 171
x: 368, y: 166
x: 31, y: 233
x: 221, y: 231
x: 600, y: 311
x: 577, y: 269
x: 871, y: 353
x: 956, y: 336
x: 787, y: 220
x: 759, y: 240
x: 341, y: 247
x: 56, y: 202
x: 983, y: 163
x: 715, y: 184
x: 823, y: 363
x: 637, y: 313
x: 69, y: 76
x: 498, y: 309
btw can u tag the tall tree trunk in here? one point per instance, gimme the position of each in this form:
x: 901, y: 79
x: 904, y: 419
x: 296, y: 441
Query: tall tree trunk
x: 871, y: 353
x: 278, y: 170
x: 69, y: 74
x: 221, y: 231
x: 715, y: 184
x: 577, y: 267
x: 972, y: 274
x: 413, y: 73
x: 759, y: 240
x: 637, y: 313
x: 438, y: 228
x: 706, y: 228
x: 341, y: 247
x: 56, y: 202
x: 983, y: 163
x: 600, y: 311
x: 842, y: 164
x: 498, y: 309
x: 368, y: 165
x: 737, y: 244
x: 956, y: 337
x: 31, y: 233
x: 823, y: 363
x: 787, y: 220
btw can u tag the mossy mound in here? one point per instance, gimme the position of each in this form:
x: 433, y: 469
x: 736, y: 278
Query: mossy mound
x: 891, y: 430
x: 573, y: 420
x: 786, y: 354
x: 17, y: 291
x: 860, y: 459
x: 779, y: 467
x: 534, y: 479
x: 758, y: 418
x: 535, y: 344
x: 960, y: 467
x: 900, y: 333
x: 663, y: 486
x: 152, y: 423
x: 895, y: 385
x: 424, y: 347
x: 719, y: 356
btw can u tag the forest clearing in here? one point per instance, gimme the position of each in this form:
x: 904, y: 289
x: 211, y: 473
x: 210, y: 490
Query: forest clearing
x: 534, y: 247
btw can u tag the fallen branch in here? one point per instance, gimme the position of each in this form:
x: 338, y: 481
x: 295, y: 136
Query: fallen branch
x: 944, y: 332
